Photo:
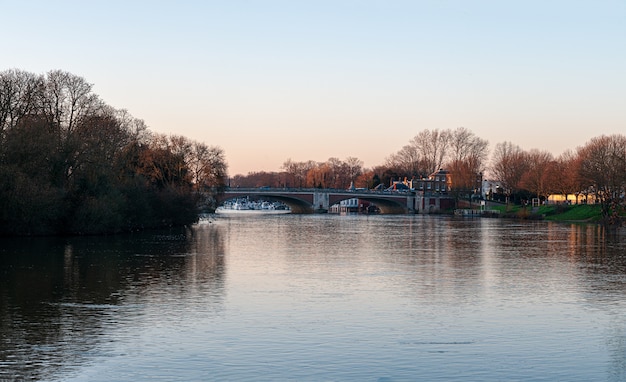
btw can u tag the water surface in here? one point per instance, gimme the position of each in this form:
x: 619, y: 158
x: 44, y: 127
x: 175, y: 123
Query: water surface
x: 318, y: 297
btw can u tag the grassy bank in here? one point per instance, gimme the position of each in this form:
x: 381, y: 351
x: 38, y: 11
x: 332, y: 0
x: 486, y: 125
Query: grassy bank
x: 582, y: 212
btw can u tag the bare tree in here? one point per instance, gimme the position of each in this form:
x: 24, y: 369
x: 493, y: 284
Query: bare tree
x: 208, y: 167
x: 366, y: 179
x: 321, y: 176
x: 561, y: 176
x: 509, y: 163
x: 433, y: 145
x: 355, y: 167
x: 534, y: 179
x: 291, y: 172
x: 603, y: 168
x: 69, y: 163
x: 341, y: 173
x: 424, y: 154
x: 467, y: 154
x: 464, y: 145
x: 136, y: 128
x: 18, y: 93
x: 408, y: 161
x: 66, y: 99
x: 296, y: 172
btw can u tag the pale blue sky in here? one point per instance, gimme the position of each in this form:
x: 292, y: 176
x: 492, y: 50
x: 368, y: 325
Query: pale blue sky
x: 273, y: 80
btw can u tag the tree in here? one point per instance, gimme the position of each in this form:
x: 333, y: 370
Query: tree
x: 296, y: 172
x: 66, y: 99
x: 354, y: 168
x: 534, y: 179
x: 259, y: 179
x: 368, y: 179
x: 432, y: 145
x: 408, y: 161
x: 466, y: 161
x: 164, y: 166
x: 561, y: 175
x: 18, y: 95
x: 29, y: 202
x: 340, y: 173
x: 509, y: 164
x: 320, y: 176
x: 209, y: 168
x: 385, y: 175
x: 136, y: 128
x: 424, y: 154
x: 69, y: 163
x: 603, y: 169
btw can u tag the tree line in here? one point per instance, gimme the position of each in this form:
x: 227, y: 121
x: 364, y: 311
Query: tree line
x: 459, y: 151
x: 71, y: 164
x: 596, y: 169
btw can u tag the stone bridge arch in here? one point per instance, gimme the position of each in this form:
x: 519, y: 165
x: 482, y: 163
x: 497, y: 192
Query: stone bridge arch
x: 306, y: 201
x: 298, y: 203
x: 386, y: 204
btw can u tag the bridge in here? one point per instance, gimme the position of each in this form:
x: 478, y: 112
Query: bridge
x: 313, y: 200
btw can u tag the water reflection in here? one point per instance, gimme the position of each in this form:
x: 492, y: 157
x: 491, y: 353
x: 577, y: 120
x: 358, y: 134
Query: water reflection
x: 319, y: 298
x: 60, y: 297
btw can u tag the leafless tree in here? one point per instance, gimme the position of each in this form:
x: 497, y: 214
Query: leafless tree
x: 467, y: 154
x: 320, y: 176
x: 18, y: 93
x: 433, y: 145
x: 509, y: 163
x: 355, y: 167
x: 534, y: 179
x: 136, y: 128
x: 296, y: 172
x: 208, y: 166
x: 407, y: 161
x: 66, y: 99
x: 603, y: 168
x: 466, y: 146
x: 424, y: 154
x: 561, y: 176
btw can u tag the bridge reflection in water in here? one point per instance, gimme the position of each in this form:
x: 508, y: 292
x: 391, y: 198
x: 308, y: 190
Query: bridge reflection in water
x: 314, y: 200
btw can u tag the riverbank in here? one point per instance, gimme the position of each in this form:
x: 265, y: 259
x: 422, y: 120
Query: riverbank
x: 580, y: 213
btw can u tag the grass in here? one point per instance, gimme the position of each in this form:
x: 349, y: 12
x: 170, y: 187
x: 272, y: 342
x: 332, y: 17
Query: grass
x: 581, y: 212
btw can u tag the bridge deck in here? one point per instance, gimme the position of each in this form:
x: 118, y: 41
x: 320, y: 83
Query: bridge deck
x: 310, y: 200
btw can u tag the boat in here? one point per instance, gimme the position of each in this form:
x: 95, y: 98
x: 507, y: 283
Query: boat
x: 244, y: 205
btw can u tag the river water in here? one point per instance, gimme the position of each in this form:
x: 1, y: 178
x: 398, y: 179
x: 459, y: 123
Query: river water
x: 318, y: 298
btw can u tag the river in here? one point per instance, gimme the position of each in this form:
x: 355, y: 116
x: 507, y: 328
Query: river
x: 318, y: 298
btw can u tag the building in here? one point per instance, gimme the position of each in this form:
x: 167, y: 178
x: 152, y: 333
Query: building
x: 578, y: 198
x: 432, y: 193
x: 353, y: 205
x: 439, y: 182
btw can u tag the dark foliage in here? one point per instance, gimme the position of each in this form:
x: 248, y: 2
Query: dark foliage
x: 69, y: 164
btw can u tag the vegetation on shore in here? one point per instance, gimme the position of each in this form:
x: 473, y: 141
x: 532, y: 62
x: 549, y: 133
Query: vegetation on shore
x: 592, y: 174
x: 71, y: 164
x: 590, y: 213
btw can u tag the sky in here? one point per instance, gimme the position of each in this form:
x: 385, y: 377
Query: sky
x: 273, y: 80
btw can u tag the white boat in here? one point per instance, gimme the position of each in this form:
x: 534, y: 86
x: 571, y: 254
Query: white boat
x: 240, y: 206
x: 225, y: 211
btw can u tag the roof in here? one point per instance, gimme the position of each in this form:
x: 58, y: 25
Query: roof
x: 398, y: 186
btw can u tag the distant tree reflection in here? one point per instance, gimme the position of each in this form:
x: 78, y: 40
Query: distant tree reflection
x: 58, y: 296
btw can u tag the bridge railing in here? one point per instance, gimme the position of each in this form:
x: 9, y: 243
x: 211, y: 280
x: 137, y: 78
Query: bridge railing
x: 338, y: 191
x: 333, y: 190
